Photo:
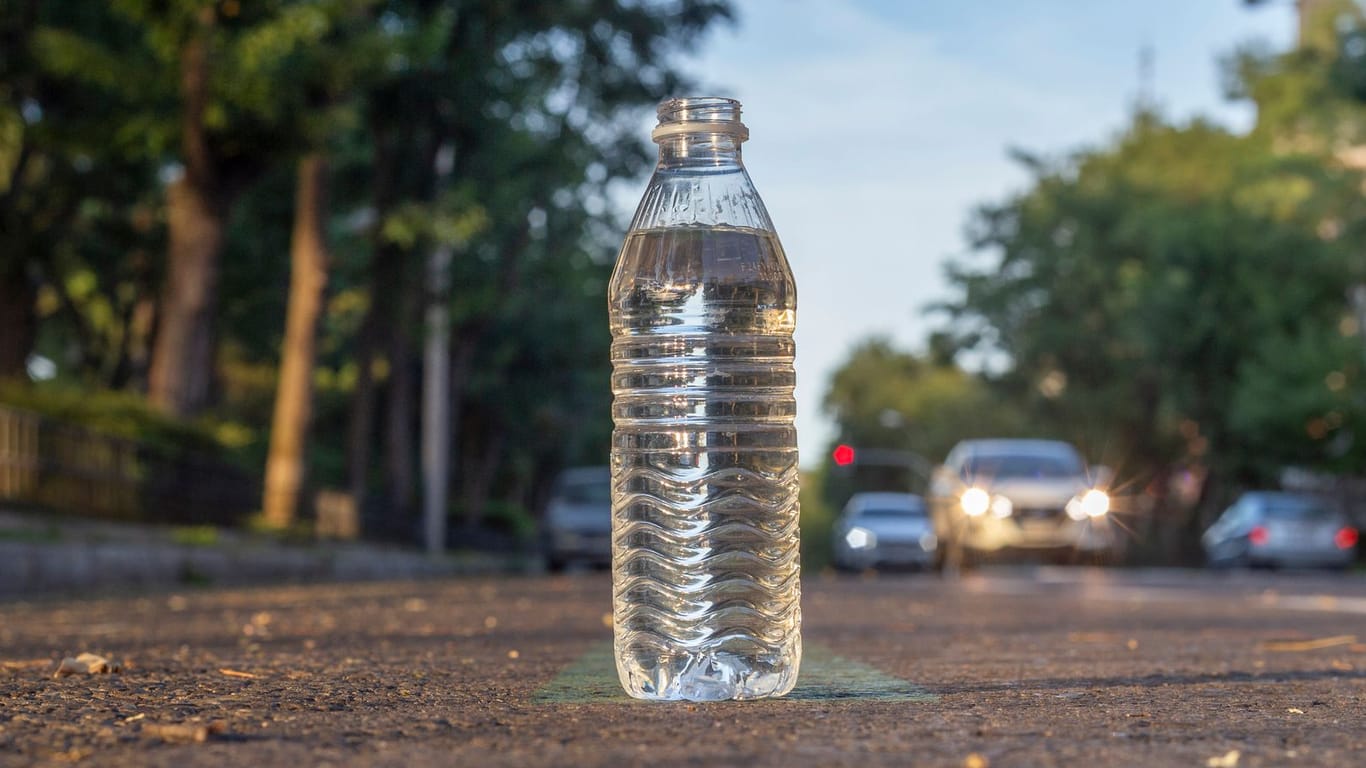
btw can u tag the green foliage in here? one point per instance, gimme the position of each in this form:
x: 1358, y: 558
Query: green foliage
x: 510, y: 518
x: 195, y: 535
x: 118, y: 414
x: 881, y: 397
x: 1301, y: 403
x: 490, y: 127
x: 817, y: 519
x: 902, y: 413
x: 452, y: 221
x: 1176, y: 294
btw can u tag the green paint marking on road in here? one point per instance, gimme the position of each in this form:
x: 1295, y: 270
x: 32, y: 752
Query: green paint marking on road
x: 824, y: 677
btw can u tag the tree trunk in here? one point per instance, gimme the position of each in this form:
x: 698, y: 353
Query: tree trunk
x: 294, y: 396
x: 18, y: 324
x: 182, y: 359
x: 399, y: 442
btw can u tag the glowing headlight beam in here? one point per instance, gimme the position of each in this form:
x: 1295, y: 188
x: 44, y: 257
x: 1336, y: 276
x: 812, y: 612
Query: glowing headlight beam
x: 974, y: 502
x: 1095, y: 502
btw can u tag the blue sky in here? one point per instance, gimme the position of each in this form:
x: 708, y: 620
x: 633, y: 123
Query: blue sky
x: 876, y: 127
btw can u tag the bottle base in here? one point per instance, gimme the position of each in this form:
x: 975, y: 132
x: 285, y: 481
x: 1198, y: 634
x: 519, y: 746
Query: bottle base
x: 707, y: 676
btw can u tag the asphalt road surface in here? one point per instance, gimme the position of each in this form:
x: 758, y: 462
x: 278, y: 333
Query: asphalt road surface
x: 1027, y: 667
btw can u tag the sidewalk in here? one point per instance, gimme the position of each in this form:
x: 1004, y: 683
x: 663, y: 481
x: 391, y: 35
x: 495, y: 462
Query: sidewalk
x: 42, y: 554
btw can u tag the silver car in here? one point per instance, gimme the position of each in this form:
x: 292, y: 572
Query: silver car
x: 1271, y: 529
x: 578, y: 520
x: 884, y: 529
x: 1025, y: 496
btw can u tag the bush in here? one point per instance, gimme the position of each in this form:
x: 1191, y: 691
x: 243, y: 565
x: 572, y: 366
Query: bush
x: 117, y: 414
x: 816, y: 520
x: 109, y: 455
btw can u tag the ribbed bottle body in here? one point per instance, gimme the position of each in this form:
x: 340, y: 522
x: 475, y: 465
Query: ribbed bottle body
x: 704, y: 465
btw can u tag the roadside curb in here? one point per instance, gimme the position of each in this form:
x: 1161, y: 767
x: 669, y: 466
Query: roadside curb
x: 141, y: 558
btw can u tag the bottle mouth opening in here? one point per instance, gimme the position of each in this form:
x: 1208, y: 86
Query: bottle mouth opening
x: 699, y: 114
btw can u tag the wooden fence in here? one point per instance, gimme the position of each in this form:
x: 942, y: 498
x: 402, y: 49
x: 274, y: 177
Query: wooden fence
x: 75, y: 470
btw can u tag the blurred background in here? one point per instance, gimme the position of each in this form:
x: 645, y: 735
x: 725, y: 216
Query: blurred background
x: 336, y: 268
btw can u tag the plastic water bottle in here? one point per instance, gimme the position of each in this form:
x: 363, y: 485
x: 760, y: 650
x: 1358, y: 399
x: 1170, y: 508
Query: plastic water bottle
x: 706, y: 597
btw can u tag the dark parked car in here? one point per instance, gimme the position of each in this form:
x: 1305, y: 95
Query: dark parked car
x: 578, y: 520
x: 884, y: 529
x: 1272, y: 529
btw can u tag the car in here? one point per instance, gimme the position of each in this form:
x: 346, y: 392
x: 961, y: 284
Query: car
x: 884, y: 529
x: 1024, y: 497
x: 1277, y: 529
x: 578, y: 519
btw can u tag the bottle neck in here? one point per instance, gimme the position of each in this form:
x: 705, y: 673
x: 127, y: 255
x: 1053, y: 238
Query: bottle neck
x: 700, y: 133
x: 703, y: 150
x: 700, y: 179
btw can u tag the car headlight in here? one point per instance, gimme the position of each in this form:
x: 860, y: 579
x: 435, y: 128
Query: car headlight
x: 1001, y: 507
x: 974, y: 502
x: 1095, y: 502
x: 860, y: 538
x: 928, y: 541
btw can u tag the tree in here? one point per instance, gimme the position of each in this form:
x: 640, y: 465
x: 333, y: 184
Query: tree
x: 323, y: 79
x: 902, y: 413
x: 881, y: 397
x: 294, y: 395
x: 185, y: 128
x: 1144, y: 293
x: 189, y: 39
x: 78, y: 208
x: 535, y: 102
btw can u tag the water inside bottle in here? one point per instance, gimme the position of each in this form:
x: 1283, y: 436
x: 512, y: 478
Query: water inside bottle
x: 704, y: 465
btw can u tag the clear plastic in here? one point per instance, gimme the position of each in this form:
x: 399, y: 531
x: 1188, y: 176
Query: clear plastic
x: 706, y: 590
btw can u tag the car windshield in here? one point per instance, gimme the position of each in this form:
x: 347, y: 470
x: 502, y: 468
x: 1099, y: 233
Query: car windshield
x: 890, y: 514
x: 1296, y: 511
x: 587, y: 492
x: 1021, y: 467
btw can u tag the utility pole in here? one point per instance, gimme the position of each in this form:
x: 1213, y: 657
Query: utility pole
x: 436, y: 384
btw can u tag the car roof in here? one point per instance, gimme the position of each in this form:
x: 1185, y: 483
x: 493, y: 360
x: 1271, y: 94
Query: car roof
x: 576, y: 475
x: 883, y: 500
x: 1264, y: 498
x: 1016, y: 447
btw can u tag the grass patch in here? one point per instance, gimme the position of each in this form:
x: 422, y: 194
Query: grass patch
x: 195, y: 535
x: 46, y: 535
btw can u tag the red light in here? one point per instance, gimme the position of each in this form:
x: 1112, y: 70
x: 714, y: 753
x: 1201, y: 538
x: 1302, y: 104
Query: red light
x: 1346, y: 538
x: 1258, y: 535
x: 844, y: 455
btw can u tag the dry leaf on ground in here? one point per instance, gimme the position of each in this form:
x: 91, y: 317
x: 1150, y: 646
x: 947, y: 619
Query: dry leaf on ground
x: 1308, y: 645
x: 183, y: 733
x: 25, y: 664
x: 87, y: 663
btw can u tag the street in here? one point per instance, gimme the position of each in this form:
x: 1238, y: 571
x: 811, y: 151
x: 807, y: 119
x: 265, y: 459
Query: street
x: 1006, y: 667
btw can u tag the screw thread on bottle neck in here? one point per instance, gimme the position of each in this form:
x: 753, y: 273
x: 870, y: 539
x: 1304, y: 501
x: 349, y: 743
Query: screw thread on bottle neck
x: 700, y: 132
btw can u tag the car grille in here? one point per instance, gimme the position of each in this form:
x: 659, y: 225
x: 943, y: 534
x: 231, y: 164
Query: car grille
x: 901, y: 551
x: 1039, y: 513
